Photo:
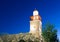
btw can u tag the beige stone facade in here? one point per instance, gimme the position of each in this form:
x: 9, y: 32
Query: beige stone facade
x: 34, y: 27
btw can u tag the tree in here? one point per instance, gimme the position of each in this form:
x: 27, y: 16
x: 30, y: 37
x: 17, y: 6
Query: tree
x: 4, y: 37
x: 1, y: 40
x: 49, y: 33
x: 21, y: 40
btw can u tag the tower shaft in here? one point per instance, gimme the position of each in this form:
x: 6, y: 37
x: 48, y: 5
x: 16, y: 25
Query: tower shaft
x: 36, y: 24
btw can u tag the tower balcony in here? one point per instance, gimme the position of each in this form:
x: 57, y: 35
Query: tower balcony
x: 36, y: 17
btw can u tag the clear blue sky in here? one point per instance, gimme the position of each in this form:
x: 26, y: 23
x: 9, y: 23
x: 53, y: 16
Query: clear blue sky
x: 15, y: 14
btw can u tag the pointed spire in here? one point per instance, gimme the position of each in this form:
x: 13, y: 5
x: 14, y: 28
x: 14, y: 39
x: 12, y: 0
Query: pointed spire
x: 35, y: 9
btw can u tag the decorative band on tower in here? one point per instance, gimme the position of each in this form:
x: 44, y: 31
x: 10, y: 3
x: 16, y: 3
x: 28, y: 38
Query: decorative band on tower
x: 35, y: 16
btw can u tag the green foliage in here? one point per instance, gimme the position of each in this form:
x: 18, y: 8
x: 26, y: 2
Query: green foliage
x: 49, y: 33
x: 21, y: 40
x: 27, y: 37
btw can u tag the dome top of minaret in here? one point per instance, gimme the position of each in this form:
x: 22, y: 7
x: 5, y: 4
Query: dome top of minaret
x: 35, y: 12
x: 35, y: 16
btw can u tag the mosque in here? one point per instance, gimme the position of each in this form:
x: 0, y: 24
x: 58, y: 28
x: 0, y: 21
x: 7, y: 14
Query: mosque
x: 36, y: 25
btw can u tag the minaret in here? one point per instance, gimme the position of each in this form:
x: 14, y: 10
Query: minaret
x: 36, y: 24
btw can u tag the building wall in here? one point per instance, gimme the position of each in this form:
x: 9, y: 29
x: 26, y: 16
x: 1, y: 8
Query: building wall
x: 35, y: 27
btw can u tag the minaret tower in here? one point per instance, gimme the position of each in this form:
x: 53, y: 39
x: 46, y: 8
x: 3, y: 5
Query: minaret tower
x: 36, y: 24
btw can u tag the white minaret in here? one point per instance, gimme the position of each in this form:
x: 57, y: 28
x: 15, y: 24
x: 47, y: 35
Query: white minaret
x: 36, y: 24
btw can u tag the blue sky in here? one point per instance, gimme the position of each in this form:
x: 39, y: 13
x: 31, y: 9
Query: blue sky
x: 15, y: 14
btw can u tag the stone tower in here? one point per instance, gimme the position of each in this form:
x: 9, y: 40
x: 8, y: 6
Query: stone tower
x: 36, y: 24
